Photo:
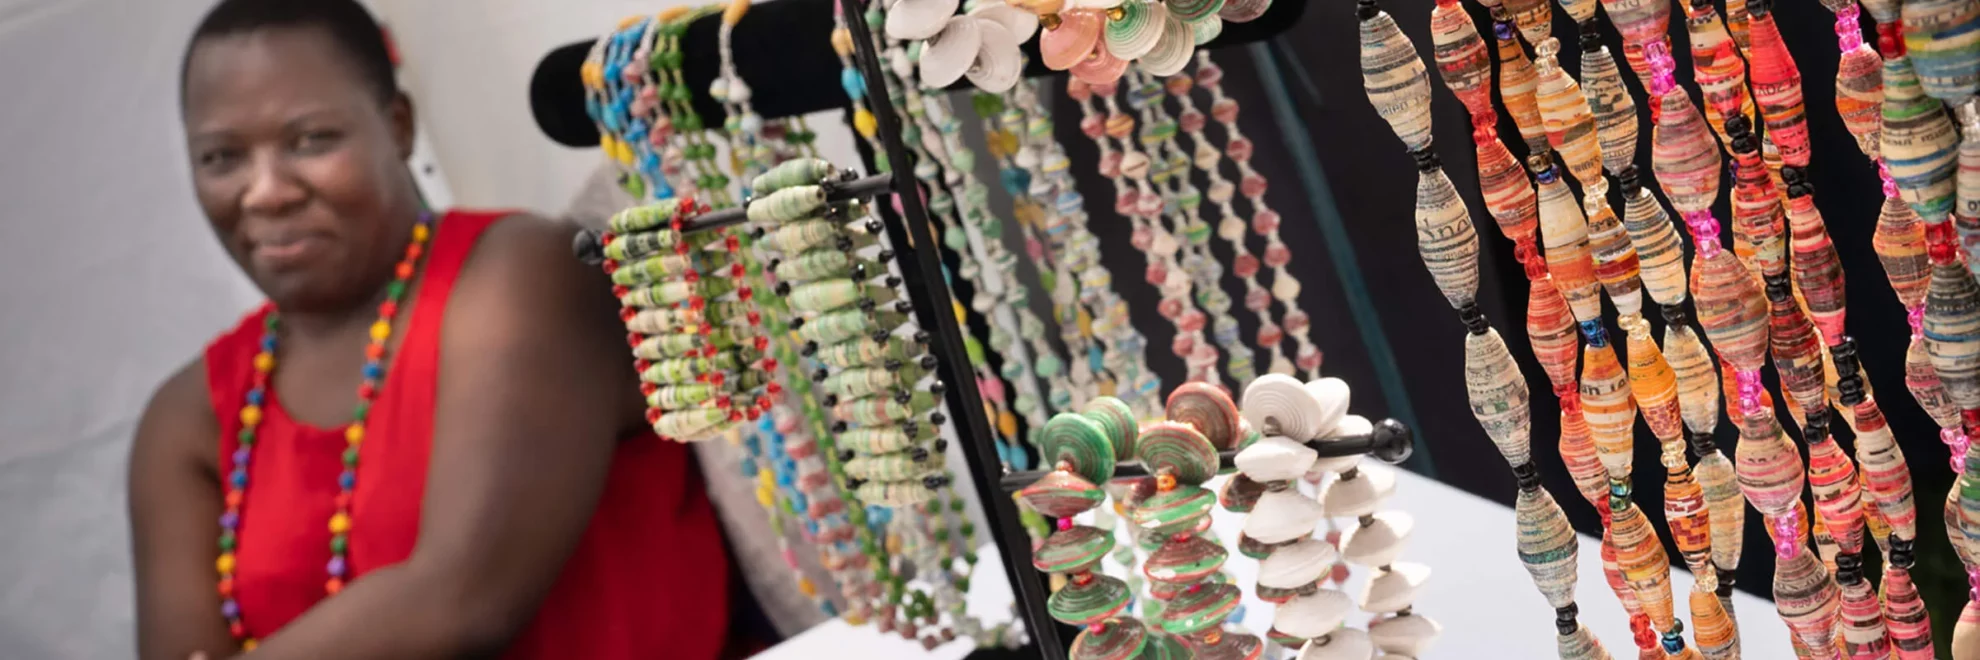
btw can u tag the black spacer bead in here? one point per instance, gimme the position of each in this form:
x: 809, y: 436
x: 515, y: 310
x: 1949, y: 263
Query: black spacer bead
x: 1366, y: 9
x: 1701, y: 443
x: 1901, y: 553
x: 1565, y: 618
x: 1474, y: 318
x: 1426, y: 159
x: 1674, y: 314
x: 1849, y: 568
x: 1816, y: 428
x: 1527, y: 475
x: 1778, y: 287
x: 1628, y: 179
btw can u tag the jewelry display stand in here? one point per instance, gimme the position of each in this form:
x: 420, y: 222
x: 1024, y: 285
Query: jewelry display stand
x: 803, y: 84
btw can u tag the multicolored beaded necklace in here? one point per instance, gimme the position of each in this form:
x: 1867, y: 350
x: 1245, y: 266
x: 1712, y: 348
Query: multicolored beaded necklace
x: 354, y: 434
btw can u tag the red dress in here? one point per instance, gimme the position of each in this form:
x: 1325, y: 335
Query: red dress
x: 648, y: 580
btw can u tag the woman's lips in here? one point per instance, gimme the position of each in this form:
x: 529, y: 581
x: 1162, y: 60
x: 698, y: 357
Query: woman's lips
x: 287, y: 251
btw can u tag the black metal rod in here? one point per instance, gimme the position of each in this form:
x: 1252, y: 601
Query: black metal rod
x: 1391, y: 442
x: 921, y: 272
x: 590, y: 248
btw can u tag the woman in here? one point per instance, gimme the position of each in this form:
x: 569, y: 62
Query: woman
x: 428, y: 444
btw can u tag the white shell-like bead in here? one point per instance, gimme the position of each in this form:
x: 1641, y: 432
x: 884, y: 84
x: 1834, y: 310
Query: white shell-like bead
x: 1275, y: 458
x: 1282, y: 516
x: 1297, y: 565
x: 1314, y: 615
x: 1333, y: 394
x: 1394, y: 589
x: 1410, y: 634
x: 1378, y: 543
x: 998, y: 63
x: 950, y: 54
x: 1022, y: 24
x: 1351, y: 498
x: 1343, y: 644
x: 1349, y: 425
x: 919, y: 19
x: 1277, y: 404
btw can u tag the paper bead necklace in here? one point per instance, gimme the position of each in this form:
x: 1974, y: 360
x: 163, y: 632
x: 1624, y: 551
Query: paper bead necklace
x: 252, y: 412
x: 620, y: 104
x: 1232, y: 227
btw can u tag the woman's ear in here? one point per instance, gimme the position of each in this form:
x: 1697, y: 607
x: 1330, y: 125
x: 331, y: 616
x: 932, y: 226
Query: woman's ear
x: 400, y: 112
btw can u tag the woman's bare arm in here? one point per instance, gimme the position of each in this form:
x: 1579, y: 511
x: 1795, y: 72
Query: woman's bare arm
x: 175, y: 505
x: 535, y: 387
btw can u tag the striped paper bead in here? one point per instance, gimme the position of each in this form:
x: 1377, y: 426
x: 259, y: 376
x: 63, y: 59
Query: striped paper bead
x: 1736, y: 23
x: 1769, y: 468
x: 1718, y: 68
x: 1860, y: 97
x: 1640, y: 22
x: 1517, y: 83
x: 1535, y: 18
x: 1698, y: 382
x: 1508, y: 190
x: 1654, y: 387
x: 1690, y: 522
x: 1462, y: 60
x: 1966, y: 634
x: 1712, y: 627
x: 1616, y: 264
x: 1797, y: 353
x: 1952, y: 332
x: 1942, y: 38
x: 1640, y: 555
x: 1817, y: 269
x: 1724, y: 502
x: 1582, y: 645
x: 1777, y: 87
x: 1615, y: 113
x: 1498, y: 395
x: 1584, y: 463
x: 1564, y: 233
x: 1682, y: 155
x: 1919, y: 143
x: 1900, y: 245
x: 1610, y: 412
x: 1659, y: 253
x: 1885, y: 471
x: 1807, y: 599
x: 1863, y: 631
x: 1580, y: 11
x: 1966, y: 187
x: 1612, y: 573
x: 1922, y: 379
x: 1838, y: 500
x: 1882, y: 11
x: 1550, y: 328
x: 1570, y: 124
x: 1759, y: 225
x: 1395, y: 79
x: 1445, y: 238
x: 1547, y: 545
x: 1731, y: 309
x: 1904, y: 612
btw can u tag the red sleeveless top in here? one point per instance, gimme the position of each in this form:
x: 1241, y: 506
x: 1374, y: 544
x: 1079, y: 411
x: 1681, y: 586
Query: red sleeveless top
x: 648, y: 579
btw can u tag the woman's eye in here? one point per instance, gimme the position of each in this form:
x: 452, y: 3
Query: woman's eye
x: 214, y: 159
x: 317, y: 141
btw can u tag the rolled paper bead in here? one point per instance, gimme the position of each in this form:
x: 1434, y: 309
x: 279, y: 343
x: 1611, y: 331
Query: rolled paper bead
x: 1919, y: 143
x: 1712, y: 627
x: 1682, y: 155
x: 882, y: 439
x: 1584, y: 463
x: 1883, y: 11
x: 692, y: 424
x: 642, y: 218
x: 1904, y: 612
x: 1612, y: 574
x: 1278, y: 404
x: 1242, y: 11
x: 1076, y: 35
x: 1860, y: 97
x: 1863, y: 630
x: 1507, y: 189
x: 1817, y: 269
x: 1517, y: 83
x: 1640, y: 22
x: 1807, y: 599
x: 1461, y: 58
x: 1731, y: 308
x: 787, y: 204
x: 651, y: 269
x: 1182, y: 510
x: 1445, y: 238
x: 1770, y: 470
x: 1698, y: 382
x: 1547, y: 545
x: 667, y: 294
x: 1966, y: 634
x: 1498, y: 395
x: 1759, y: 223
x: 1690, y: 521
x: 1615, y: 113
x: 1724, y: 505
x: 1886, y: 473
x: 1616, y: 263
x: 669, y: 320
x: 1532, y: 17
x: 899, y: 466
x: 894, y: 493
x: 848, y: 323
x: 684, y: 370
x: 1564, y: 231
x: 1654, y: 386
x: 1120, y: 638
x: 629, y: 247
x: 883, y: 410
x: 1580, y: 645
x: 1564, y: 111
x: 791, y: 173
x: 1177, y: 449
x: 662, y: 347
x: 1551, y: 330
x: 1640, y: 555
x: 1209, y: 410
x: 1397, y: 84
x: 1719, y: 69
x: 1606, y: 403
x: 856, y: 383
x: 1952, y: 332
x: 1941, y: 39
x: 1900, y: 245
x: 1184, y: 561
x: 1658, y: 251
x: 826, y: 263
x: 1838, y: 499
x: 799, y: 237
x: 865, y: 351
x: 830, y: 295
x: 682, y: 396
x: 1117, y: 419
x: 1777, y: 86
x: 1922, y: 379
x: 1080, y: 442
x: 1061, y: 494
x: 1797, y: 351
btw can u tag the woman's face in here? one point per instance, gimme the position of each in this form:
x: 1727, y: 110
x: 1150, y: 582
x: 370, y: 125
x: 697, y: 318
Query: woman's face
x: 298, y: 164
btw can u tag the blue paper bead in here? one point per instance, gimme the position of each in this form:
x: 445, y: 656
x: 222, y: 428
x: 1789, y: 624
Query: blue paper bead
x: 854, y: 83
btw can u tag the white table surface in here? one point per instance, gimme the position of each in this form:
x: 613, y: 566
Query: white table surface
x: 1479, y: 592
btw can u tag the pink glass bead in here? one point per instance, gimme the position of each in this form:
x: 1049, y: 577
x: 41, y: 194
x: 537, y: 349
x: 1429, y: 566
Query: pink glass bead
x: 1309, y: 357
x: 1297, y: 322
x: 1849, y: 34
x: 1191, y: 321
x: 1658, y: 55
x: 1142, y: 238
x: 1269, y: 334
x: 1169, y: 308
x: 1956, y: 444
x: 1253, y: 185
x: 1277, y: 254
x: 1240, y: 151
x: 1065, y: 524
x: 1748, y: 382
x: 1225, y: 110
x: 992, y: 388
x: 1266, y: 222
x: 1091, y: 126
x: 1182, y: 345
x: 1704, y: 232
x: 1125, y: 203
x: 1973, y: 583
x: 1192, y: 120
x: 1209, y: 74
x: 1110, y: 167
x: 790, y: 558
x: 1257, y: 300
x: 1787, y: 533
x: 1884, y: 173
x: 1916, y: 317
x: 1245, y: 265
x: 1156, y: 274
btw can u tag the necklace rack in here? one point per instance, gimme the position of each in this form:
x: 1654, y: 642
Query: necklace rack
x: 1169, y: 170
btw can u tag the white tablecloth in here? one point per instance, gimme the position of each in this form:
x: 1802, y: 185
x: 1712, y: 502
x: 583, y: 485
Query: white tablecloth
x: 1478, y: 591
